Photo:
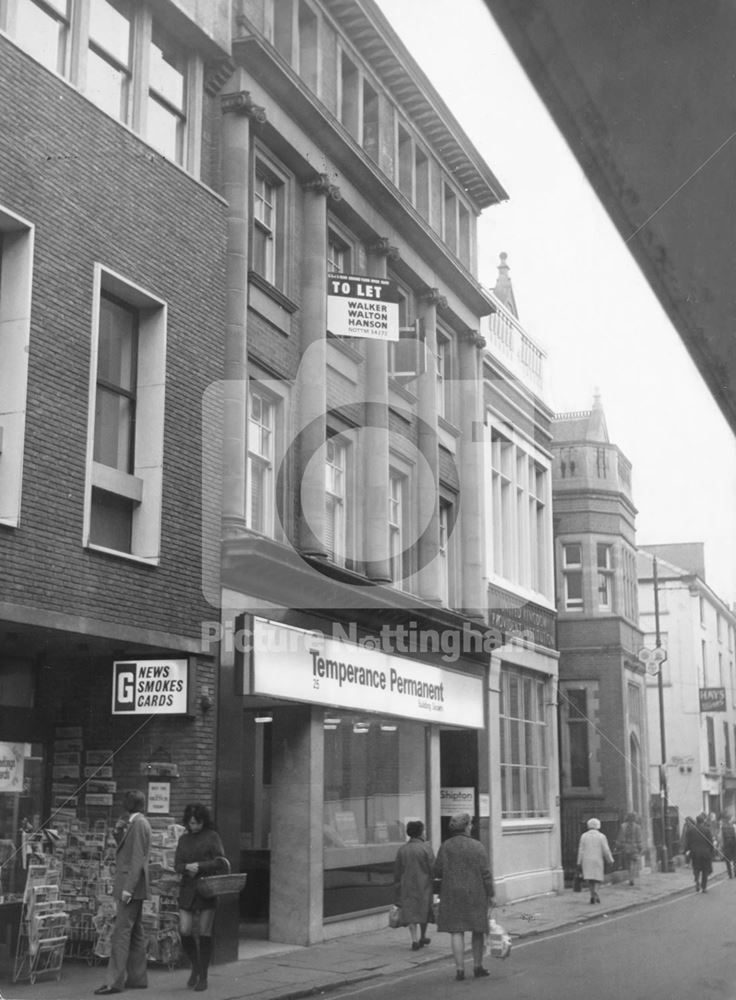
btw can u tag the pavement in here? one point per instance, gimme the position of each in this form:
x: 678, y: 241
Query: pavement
x: 270, y: 971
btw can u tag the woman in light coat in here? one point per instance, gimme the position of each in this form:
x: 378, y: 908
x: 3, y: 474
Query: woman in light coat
x: 593, y: 852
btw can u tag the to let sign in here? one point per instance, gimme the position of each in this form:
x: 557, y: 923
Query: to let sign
x: 712, y: 699
x: 149, y: 687
x: 362, y: 307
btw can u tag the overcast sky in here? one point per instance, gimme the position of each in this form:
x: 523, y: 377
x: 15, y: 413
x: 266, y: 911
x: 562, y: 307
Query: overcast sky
x: 579, y: 293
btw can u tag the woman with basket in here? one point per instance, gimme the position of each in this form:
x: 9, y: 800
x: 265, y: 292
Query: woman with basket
x: 199, y: 853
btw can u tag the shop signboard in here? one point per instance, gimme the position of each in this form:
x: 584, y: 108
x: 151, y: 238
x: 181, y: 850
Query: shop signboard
x: 712, y: 699
x: 159, y: 797
x: 457, y: 800
x: 11, y: 767
x: 362, y: 307
x: 150, y: 687
x: 298, y: 665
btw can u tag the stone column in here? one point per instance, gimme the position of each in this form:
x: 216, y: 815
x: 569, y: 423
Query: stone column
x: 297, y: 781
x: 311, y: 386
x: 376, y: 436
x: 237, y: 111
x: 474, y: 598
x: 428, y: 514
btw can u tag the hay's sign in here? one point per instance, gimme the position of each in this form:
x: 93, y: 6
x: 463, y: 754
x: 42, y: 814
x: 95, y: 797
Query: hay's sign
x: 712, y: 699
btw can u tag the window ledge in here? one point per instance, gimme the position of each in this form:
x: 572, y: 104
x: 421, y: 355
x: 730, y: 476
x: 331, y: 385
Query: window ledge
x: 122, y: 484
x: 130, y: 556
x: 512, y: 827
x: 448, y: 426
x: 398, y: 387
x: 345, y: 348
x: 256, y: 279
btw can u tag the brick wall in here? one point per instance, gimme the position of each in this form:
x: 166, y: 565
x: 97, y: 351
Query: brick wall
x: 97, y: 193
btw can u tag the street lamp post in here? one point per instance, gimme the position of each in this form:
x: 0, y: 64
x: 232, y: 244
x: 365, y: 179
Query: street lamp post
x: 660, y: 688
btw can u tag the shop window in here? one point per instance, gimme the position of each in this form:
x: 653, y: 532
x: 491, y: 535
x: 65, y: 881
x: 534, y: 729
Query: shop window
x: 446, y: 560
x: 123, y: 512
x: 710, y: 731
x: 604, y: 562
x: 370, y: 125
x: 123, y: 60
x: 524, y: 750
x: 421, y: 182
x: 269, y: 224
x: 339, y: 255
x: 283, y: 29
x: 167, y: 92
x: 109, y: 60
x: 397, y: 527
x: 572, y: 574
x: 449, y: 220
x: 21, y: 810
x: 406, y: 356
x: 349, y: 95
x: 261, y: 462
x: 336, y: 496
x: 520, y: 515
x: 578, y: 757
x: 404, y: 162
x: 375, y: 782
x: 16, y: 270
x: 41, y: 27
x: 463, y: 234
x: 308, y: 46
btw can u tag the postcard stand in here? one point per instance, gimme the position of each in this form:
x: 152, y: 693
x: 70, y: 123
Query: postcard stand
x: 42, y: 933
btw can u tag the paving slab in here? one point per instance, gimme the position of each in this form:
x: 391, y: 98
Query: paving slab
x: 301, y: 972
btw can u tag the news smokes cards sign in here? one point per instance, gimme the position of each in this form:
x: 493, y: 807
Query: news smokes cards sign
x: 146, y: 687
x: 362, y: 307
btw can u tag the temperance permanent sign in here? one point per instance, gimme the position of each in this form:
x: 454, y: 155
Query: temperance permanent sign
x: 362, y: 307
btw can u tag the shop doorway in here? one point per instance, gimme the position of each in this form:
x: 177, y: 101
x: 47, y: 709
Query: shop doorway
x: 255, y: 824
x: 458, y: 775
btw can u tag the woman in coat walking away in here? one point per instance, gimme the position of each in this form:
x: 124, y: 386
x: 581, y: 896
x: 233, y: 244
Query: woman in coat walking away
x: 466, y: 893
x: 728, y: 844
x: 699, y: 849
x: 629, y: 843
x: 413, y: 883
x: 593, y: 852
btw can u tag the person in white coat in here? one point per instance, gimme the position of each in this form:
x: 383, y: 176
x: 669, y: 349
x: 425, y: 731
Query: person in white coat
x: 593, y: 852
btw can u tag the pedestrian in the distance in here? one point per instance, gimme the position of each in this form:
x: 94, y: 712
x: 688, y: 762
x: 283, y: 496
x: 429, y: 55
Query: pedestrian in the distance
x: 699, y: 850
x: 199, y: 852
x: 593, y: 852
x: 466, y: 893
x: 629, y: 844
x: 128, y: 965
x: 728, y: 844
x: 413, y: 883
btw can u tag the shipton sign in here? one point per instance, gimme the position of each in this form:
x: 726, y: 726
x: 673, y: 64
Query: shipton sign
x: 362, y: 307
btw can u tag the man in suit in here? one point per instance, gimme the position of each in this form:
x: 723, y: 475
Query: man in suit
x: 128, y: 965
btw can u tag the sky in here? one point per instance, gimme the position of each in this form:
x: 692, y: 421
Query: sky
x: 579, y: 293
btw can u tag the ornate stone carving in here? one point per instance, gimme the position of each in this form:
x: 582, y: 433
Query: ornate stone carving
x: 433, y: 297
x: 321, y: 185
x: 241, y: 104
x: 380, y: 247
x: 473, y: 338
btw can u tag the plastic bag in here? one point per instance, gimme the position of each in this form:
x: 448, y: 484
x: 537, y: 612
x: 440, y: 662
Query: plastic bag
x: 577, y: 882
x: 498, y: 942
x: 394, y: 916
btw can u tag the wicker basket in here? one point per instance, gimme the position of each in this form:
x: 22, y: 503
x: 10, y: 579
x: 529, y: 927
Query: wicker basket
x: 220, y: 885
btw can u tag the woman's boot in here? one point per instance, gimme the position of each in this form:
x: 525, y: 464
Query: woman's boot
x: 205, y: 954
x: 189, y: 947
